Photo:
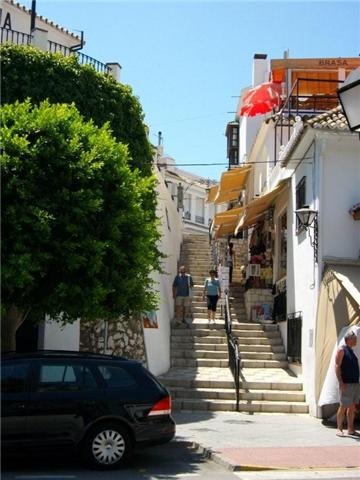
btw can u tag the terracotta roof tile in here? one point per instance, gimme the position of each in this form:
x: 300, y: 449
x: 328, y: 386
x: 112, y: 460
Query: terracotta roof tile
x: 332, y: 120
x: 44, y: 19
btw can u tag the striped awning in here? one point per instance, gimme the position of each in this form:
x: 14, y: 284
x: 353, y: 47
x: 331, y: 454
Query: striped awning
x: 256, y: 208
x: 231, y: 184
x: 212, y: 194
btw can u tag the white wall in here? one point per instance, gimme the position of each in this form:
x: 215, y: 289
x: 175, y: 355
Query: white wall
x: 157, y: 341
x: 340, y: 191
x: 332, y: 170
x: 302, y: 274
x: 20, y: 21
x: 54, y: 336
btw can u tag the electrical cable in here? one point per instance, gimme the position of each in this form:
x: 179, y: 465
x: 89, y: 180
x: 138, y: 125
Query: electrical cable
x: 227, y: 163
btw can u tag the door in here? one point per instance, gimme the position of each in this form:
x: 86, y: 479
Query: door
x: 14, y: 401
x: 62, y: 400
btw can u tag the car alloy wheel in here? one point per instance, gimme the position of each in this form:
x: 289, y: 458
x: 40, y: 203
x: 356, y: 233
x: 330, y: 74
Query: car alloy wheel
x: 107, y: 446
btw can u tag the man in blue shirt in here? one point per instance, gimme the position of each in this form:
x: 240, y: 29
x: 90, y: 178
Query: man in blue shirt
x: 347, y: 372
x: 182, y: 285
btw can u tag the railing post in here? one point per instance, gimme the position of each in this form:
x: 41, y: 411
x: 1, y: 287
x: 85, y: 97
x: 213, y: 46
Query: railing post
x: 40, y: 39
x: 115, y: 70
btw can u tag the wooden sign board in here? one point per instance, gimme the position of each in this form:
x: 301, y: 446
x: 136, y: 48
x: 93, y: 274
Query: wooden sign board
x: 315, y: 63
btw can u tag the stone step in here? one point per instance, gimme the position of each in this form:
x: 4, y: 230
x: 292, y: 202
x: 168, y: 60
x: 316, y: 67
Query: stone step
x: 223, y: 355
x: 222, y: 347
x: 230, y: 405
x: 236, y: 325
x: 205, y: 331
x: 220, y: 325
x: 171, y: 382
x: 245, y: 394
x: 251, y: 343
x: 222, y: 363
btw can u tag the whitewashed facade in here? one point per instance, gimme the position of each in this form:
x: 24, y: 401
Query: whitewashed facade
x: 323, y: 157
x: 196, y: 212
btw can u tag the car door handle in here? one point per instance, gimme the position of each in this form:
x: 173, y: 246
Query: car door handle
x: 19, y: 405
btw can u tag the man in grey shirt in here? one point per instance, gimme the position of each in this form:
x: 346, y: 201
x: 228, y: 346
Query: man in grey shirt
x: 182, y: 285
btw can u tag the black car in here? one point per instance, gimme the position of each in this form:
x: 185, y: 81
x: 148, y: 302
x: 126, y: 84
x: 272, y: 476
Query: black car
x: 103, y: 405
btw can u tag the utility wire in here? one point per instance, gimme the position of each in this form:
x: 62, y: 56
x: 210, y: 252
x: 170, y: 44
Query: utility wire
x: 227, y: 163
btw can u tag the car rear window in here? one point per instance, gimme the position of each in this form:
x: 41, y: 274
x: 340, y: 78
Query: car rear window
x: 116, y: 376
x: 65, y: 376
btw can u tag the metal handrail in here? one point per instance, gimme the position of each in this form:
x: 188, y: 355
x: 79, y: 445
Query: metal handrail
x: 20, y: 38
x: 13, y: 36
x: 293, y: 106
x: 233, y: 350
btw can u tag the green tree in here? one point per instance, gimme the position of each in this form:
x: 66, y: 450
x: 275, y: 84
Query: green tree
x: 77, y: 242
x: 30, y: 73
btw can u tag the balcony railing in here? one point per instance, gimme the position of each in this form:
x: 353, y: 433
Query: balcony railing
x: 187, y: 215
x: 12, y: 36
x: 298, y: 104
x: 19, y: 38
x: 199, y: 219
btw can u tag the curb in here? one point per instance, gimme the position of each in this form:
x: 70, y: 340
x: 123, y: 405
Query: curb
x: 232, y: 467
x: 209, y: 454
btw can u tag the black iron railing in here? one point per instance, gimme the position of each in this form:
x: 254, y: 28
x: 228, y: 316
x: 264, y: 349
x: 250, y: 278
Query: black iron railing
x: 294, y: 333
x: 12, y: 36
x: 20, y: 38
x: 233, y: 351
x: 298, y: 104
x: 58, y: 48
x: 99, y: 66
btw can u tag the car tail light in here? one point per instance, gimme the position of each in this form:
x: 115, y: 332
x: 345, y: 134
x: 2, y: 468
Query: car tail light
x: 163, y: 407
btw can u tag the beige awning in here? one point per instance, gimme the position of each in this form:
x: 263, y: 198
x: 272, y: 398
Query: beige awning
x: 212, y: 194
x: 225, y: 229
x: 338, y: 307
x: 257, y: 207
x: 231, y: 184
x: 228, y: 216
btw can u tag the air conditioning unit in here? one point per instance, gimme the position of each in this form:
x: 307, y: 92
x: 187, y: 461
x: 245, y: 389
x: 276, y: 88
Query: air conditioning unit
x: 253, y: 270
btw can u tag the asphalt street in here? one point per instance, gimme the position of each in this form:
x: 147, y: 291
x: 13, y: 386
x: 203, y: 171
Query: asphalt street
x: 176, y: 460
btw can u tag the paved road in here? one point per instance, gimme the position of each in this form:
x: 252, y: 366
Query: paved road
x: 176, y: 460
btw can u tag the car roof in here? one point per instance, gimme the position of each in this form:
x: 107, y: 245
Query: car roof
x: 64, y: 354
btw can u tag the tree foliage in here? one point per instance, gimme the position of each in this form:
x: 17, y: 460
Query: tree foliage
x: 30, y: 73
x: 77, y: 241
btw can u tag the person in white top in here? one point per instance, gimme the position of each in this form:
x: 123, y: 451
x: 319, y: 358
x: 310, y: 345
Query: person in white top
x: 213, y: 291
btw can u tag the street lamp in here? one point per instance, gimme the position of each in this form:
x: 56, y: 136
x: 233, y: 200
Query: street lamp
x: 307, y: 219
x: 349, y: 96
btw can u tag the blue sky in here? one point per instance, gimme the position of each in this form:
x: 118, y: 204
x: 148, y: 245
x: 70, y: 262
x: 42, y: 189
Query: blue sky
x: 187, y: 60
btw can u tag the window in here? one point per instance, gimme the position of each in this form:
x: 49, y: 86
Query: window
x: 64, y: 377
x: 300, y: 199
x: 116, y: 376
x: 13, y: 377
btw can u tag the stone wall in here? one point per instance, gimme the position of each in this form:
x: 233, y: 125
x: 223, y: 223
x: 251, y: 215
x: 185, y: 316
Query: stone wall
x: 123, y: 337
x: 257, y: 296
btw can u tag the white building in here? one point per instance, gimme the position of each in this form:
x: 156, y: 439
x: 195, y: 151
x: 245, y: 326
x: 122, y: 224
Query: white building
x: 196, y: 212
x: 15, y: 27
x: 304, y: 155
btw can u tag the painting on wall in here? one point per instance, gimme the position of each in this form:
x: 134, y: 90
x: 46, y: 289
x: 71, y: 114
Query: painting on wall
x: 150, y: 320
